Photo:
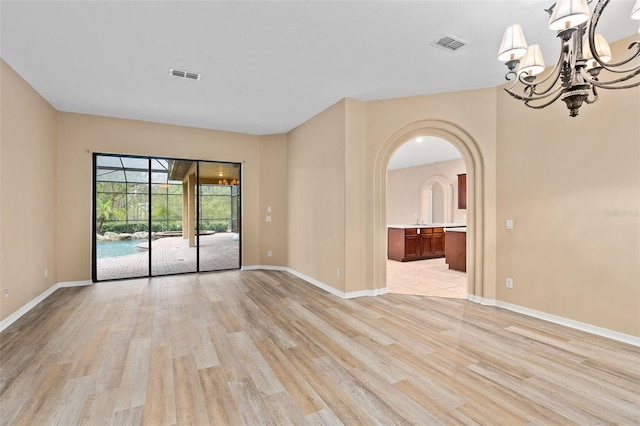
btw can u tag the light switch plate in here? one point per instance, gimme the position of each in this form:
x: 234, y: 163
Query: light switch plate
x: 510, y: 224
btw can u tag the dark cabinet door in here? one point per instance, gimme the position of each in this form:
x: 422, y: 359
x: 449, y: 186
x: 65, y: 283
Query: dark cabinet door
x: 462, y: 191
x: 437, y: 244
x: 425, y: 245
x: 411, y: 247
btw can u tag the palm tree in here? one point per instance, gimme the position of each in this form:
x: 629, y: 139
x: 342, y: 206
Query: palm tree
x: 104, y: 211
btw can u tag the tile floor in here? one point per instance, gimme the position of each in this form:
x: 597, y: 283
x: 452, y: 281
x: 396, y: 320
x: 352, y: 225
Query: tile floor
x: 431, y: 277
x: 173, y: 255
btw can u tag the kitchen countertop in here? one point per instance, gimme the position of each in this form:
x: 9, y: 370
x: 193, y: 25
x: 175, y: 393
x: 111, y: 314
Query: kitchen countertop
x: 430, y: 225
x: 464, y: 229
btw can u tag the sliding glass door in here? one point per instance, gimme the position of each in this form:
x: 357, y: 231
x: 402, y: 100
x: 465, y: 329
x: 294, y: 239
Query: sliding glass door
x: 218, y: 200
x: 162, y: 216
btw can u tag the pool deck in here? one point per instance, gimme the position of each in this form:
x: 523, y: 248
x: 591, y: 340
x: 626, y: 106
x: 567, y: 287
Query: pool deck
x: 172, y: 255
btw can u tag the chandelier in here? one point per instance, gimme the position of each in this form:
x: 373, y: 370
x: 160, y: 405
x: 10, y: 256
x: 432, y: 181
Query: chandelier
x: 583, y: 55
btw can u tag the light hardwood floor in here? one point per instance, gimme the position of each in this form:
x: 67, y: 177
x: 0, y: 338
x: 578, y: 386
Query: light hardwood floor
x: 263, y: 347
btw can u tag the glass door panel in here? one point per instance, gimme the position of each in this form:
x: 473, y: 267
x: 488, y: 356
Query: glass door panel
x: 121, y: 218
x: 219, y: 237
x: 172, y: 251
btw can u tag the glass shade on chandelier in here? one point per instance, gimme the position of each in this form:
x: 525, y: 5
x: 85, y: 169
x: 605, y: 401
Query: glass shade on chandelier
x: 635, y: 12
x: 568, y: 14
x: 602, y: 48
x: 584, y: 53
x: 532, y: 63
x: 514, y: 45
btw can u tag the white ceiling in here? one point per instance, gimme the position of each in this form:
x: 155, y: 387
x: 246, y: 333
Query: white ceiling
x: 423, y: 150
x: 267, y: 66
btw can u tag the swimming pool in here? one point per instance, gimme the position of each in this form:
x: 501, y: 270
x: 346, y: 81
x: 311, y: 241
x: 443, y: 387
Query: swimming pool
x: 117, y: 248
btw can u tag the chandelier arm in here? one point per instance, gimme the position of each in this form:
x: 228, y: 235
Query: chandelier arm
x: 616, y: 67
x: 546, y: 104
x: 610, y: 83
x: 595, y: 17
x: 595, y: 96
x: 537, y: 97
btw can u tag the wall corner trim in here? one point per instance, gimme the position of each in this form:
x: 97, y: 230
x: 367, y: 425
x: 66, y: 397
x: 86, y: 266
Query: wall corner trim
x: 567, y: 322
x: 33, y: 303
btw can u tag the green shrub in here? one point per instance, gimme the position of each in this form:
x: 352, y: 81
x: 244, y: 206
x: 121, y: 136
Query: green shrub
x: 218, y: 226
x: 124, y: 227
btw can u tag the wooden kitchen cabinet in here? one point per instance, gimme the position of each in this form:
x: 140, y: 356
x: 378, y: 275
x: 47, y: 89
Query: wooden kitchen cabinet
x: 437, y: 242
x: 407, y: 244
x: 456, y: 251
x: 462, y: 191
x: 411, y: 244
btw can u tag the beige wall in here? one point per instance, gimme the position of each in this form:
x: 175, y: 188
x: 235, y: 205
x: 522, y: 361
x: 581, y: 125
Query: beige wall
x: 273, y: 193
x: 27, y: 192
x: 80, y: 135
x: 405, y: 187
x: 316, y: 214
x: 572, y: 188
x: 356, y: 266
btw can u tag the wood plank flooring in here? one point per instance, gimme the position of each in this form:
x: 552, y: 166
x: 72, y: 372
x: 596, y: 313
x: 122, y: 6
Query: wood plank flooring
x: 263, y: 347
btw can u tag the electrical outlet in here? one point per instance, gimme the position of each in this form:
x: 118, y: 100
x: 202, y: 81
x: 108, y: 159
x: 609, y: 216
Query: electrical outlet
x: 6, y: 293
x: 46, y: 272
x: 338, y: 273
x: 509, y: 282
x: 268, y: 253
x: 509, y: 224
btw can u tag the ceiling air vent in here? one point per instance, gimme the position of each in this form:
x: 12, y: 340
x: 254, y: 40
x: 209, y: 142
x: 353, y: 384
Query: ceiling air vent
x: 449, y: 43
x: 184, y: 74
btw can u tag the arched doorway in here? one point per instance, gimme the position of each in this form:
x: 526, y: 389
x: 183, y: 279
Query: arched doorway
x: 475, y: 211
x: 422, y: 177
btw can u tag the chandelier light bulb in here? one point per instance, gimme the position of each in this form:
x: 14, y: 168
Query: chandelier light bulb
x: 568, y: 14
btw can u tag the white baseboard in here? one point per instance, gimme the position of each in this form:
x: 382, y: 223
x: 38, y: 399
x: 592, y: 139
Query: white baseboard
x: 74, y: 284
x: 567, y: 322
x: 30, y: 305
x: 366, y: 293
x: 265, y: 267
x: 319, y: 284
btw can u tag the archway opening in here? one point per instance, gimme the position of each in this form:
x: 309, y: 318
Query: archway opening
x: 426, y: 239
x: 475, y: 245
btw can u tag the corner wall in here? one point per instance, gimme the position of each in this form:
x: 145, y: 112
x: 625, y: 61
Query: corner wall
x: 316, y: 197
x: 273, y: 195
x: 27, y: 192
